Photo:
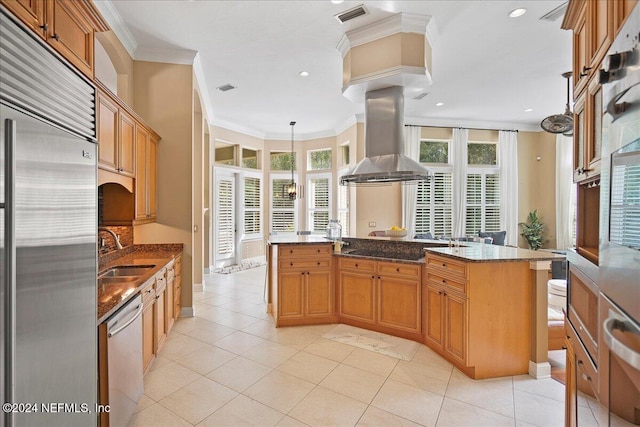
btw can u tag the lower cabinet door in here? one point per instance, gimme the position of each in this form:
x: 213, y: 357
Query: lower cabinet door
x: 318, y: 298
x: 399, y: 303
x: 291, y: 294
x: 455, y: 336
x: 571, y: 389
x: 434, y: 315
x: 357, y: 296
x: 169, y: 304
x: 148, y: 349
x: 160, y: 322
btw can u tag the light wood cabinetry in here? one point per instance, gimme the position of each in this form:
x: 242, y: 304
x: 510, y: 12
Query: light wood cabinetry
x: 305, y: 291
x: 116, y: 133
x: 169, y: 303
x: 146, y: 178
x: 160, y: 312
x: 177, y: 286
x: 381, y: 295
x: 148, y: 303
x: 67, y: 26
x: 477, y: 314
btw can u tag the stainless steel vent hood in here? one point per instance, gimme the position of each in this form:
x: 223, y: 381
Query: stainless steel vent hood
x: 384, y: 142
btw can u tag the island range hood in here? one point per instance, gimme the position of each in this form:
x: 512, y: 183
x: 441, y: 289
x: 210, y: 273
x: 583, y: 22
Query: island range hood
x: 384, y: 143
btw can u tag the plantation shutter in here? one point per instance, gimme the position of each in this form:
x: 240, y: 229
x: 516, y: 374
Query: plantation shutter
x: 252, y: 208
x: 319, y: 204
x: 442, y: 204
x: 473, y: 217
x: 224, y: 213
x: 343, y: 208
x: 282, y: 208
x: 625, y: 203
x: 492, y: 203
x: 423, y: 207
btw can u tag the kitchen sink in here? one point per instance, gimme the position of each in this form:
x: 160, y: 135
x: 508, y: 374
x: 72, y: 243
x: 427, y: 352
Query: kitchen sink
x: 126, y: 270
x: 116, y: 279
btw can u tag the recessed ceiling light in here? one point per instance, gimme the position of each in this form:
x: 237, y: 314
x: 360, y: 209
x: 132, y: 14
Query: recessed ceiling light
x: 336, y: 1
x: 439, y: 104
x: 517, y: 12
x: 304, y: 73
x: 528, y: 110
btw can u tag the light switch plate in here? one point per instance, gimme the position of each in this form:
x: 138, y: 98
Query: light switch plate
x: 372, y: 224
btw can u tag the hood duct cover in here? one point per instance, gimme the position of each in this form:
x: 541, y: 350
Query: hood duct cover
x: 384, y: 142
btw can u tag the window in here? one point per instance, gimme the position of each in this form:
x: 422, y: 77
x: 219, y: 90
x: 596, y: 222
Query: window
x: 250, y: 158
x: 319, y: 160
x: 483, y: 201
x: 283, y: 209
x: 343, y: 207
x: 434, y: 207
x: 319, y: 202
x: 281, y: 161
x: 252, y: 207
x: 432, y: 151
x: 225, y: 154
x: 482, y: 153
x: 344, y: 149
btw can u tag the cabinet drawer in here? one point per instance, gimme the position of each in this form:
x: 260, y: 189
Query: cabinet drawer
x: 582, y: 297
x: 447, y: 266
x: 161, y: 284
x: 287, y: 251
x: 447, y: 283
x: 395, y: 269
x: 304, y: 263
x: 148, y: 294
x: 357, y: 264
x: 585, y: 367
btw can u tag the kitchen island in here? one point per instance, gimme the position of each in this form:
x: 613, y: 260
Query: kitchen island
x: 482, y: 307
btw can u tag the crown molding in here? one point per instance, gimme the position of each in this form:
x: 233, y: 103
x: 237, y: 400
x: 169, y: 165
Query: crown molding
x: 237, y: 128
x: 398, y: 23
x: 115, y: 21
x: 343, y: 45
x: 201, y: 83
x: 346, y: 125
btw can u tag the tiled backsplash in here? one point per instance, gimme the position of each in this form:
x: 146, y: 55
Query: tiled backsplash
x: 126, y: 238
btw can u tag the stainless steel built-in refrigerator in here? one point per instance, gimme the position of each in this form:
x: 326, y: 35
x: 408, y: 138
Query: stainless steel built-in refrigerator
x: 48, y: 236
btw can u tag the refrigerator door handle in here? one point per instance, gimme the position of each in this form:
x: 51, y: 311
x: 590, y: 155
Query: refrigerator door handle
x: 9, y: 264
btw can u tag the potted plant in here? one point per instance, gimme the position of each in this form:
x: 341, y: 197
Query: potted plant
x: 532, y: 231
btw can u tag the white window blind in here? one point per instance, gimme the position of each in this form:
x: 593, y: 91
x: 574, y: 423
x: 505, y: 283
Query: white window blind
x: 483, y: 202
x: 319, y: 203
x: 283, y: 209
x: 624, y: 226
x: 434, y: 206
x: 252, y: 206
x: 224, y: 214
x: 343, y: 208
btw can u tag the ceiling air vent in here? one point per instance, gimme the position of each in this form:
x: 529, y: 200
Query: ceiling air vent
x: 226, y: 87
x: 420, y: 95
x: 555, y: 13
x: 350, y: 14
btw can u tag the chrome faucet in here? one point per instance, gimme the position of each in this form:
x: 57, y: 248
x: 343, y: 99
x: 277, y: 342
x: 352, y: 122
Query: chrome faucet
x: 115, y: 236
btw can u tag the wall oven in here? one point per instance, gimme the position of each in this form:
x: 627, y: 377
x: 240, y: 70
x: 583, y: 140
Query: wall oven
x: 619, y: 273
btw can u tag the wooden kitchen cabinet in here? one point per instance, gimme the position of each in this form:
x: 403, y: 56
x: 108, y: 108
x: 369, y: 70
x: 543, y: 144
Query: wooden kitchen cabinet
x: 148, y: 304
x: 477, y: 314
x: 177, y: 286
x: 169, y: 301
x: 116, y: 133
x: 587, y: 140
x: 160, y: 324
x: 146, y: 178
x: 385, y: 296
x: 305, y: 291
x: 67, y: 26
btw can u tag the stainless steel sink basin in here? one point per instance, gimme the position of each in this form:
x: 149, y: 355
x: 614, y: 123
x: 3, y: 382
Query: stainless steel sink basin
x: 117, y: 279
x: 127, y: 270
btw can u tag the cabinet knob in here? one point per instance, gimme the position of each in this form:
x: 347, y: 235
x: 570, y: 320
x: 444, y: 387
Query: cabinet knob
x: 439, y: 292
x: 444, y: 265
x: 444, y: 281
x: 45, y: 27
x: 445, y: 293
x: 585, y: 71
x: 318, y: 263
x: 291, y: 264
x: 373, y: 277
x: 56, y: 37
x: 356, y: 264
x: 397, y: 270
x: 290, y: 251
x: 318, y: 250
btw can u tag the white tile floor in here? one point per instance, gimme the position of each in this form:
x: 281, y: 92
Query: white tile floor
x: 229, y: 366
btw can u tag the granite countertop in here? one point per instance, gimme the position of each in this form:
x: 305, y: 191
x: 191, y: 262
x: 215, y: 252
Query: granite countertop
x: 113, y: 295
x: 293, y: 239
x: 481, y: 252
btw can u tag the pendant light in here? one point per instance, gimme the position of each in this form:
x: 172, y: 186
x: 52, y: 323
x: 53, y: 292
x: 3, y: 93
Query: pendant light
x: 290, y: 190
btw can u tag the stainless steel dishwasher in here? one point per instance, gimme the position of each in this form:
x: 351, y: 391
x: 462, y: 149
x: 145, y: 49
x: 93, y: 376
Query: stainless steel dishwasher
x: 124, y: 360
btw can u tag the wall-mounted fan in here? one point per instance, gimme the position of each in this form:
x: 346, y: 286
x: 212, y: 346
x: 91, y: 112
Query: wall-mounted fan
x: 560, y: 123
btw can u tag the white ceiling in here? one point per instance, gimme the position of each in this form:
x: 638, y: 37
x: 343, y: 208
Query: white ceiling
x: 487, y: 68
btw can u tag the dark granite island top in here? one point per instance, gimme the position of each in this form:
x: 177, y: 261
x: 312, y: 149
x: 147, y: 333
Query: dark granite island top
x: 481, y: 252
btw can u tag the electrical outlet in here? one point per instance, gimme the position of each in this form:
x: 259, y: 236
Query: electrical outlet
x: 372, y: 223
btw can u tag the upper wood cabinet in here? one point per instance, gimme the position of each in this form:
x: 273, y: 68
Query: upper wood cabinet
x: 116, y: 136
x: 68, y: 26
x: 146, y: 178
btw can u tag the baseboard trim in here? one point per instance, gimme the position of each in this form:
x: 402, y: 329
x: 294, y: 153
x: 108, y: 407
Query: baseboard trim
x: 539, y: 370
x: 187, y: 312
x: 198, y: 287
